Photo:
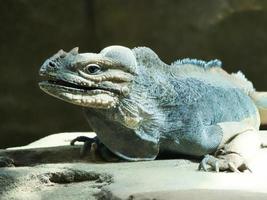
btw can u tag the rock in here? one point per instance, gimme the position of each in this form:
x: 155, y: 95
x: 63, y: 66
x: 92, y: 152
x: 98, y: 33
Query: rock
x: 54, y: 148
x: 55, y: 140
x: 164, y: 179
x: 160, y: 179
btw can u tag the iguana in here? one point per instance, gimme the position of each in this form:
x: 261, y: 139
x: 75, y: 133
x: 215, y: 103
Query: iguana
x: 140, y: 107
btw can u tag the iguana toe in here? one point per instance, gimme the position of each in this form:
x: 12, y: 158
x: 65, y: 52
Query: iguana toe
x: 232, y: 162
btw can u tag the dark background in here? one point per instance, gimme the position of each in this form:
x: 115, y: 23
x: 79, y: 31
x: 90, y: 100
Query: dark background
x: 234, y: 31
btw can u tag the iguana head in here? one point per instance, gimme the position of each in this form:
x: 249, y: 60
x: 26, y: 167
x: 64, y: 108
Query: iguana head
x: 89, y: 79
x: 118, y: 87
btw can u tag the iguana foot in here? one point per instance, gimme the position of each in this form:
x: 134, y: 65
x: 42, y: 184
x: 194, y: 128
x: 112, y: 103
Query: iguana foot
x: 236, y: 151
x: 90, y: 144
x: 96, y: 148
x: 228, y: 162
x: 6, y: 162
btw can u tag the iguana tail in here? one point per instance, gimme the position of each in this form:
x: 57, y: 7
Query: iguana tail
x: 260, y: 99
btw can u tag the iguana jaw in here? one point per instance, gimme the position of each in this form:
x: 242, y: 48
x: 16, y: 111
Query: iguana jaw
x: 80, y: 95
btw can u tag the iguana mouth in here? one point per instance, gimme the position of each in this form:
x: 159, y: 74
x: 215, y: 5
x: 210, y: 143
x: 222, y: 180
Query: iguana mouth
x: 71, y: 86
x: 96, y: 97
x: 67, y: 84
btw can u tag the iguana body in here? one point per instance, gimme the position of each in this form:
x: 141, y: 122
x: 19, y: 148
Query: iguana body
x: 140, y: 106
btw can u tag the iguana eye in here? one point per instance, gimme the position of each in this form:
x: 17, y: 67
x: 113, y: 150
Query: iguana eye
x: 92, y: 68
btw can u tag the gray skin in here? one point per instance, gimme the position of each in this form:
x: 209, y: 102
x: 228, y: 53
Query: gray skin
x: 140, y: 107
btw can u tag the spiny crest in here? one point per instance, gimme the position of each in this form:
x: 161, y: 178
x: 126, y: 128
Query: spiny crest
x: 199, y: 63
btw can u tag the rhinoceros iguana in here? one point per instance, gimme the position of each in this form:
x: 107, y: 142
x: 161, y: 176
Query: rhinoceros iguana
x: 140, y: 107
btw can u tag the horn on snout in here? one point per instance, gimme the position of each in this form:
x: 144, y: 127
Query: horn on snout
x: 74, y: 51
x: 61, y: 53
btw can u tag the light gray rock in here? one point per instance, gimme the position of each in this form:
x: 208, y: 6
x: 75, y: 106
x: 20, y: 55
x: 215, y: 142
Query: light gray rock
x: 160, y: 179
x: 166, y: 179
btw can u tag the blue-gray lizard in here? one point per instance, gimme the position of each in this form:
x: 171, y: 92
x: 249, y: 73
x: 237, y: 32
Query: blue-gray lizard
x: 140, y: 107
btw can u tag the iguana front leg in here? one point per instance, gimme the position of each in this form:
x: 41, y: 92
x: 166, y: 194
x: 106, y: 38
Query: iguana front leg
x: 236, y: 151
x: 95, y: 146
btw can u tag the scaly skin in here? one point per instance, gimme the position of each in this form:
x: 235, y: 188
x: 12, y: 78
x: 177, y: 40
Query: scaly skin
x: 140, y: 106
x: 107, y: 86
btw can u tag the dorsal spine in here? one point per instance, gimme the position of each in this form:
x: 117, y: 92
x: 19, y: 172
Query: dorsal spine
x: 199, y: 63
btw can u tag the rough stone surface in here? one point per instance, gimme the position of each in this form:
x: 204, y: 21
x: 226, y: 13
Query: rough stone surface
x: 231, y: 30
x: 160, y: 179
x: 166, y: 179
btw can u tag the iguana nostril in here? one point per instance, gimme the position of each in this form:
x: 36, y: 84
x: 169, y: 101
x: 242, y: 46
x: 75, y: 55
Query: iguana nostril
x: 52, y: 64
